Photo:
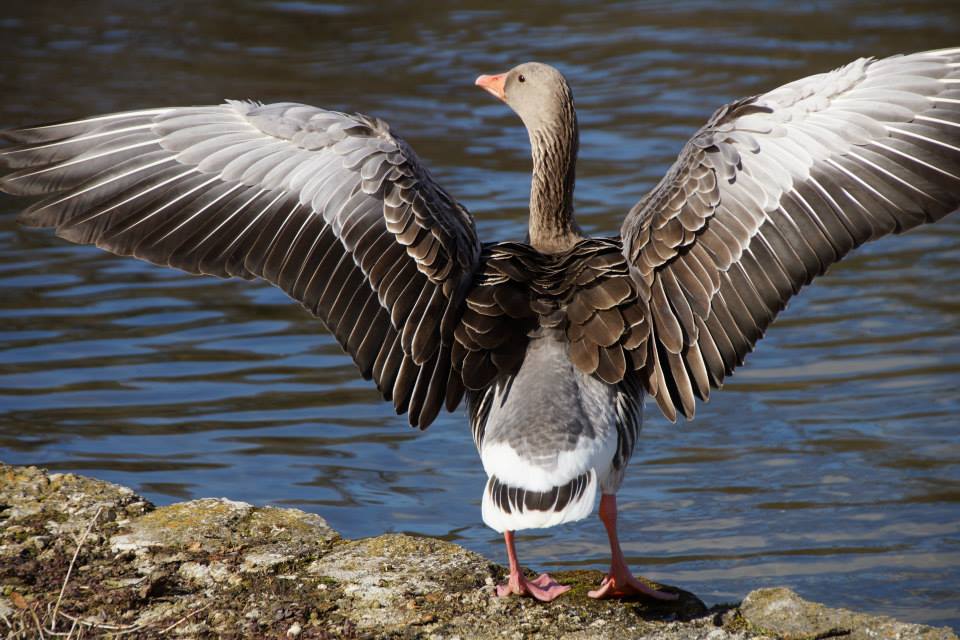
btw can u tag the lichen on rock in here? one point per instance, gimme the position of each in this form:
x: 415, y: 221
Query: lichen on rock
x: 219, y: 568
x: 784, y: 614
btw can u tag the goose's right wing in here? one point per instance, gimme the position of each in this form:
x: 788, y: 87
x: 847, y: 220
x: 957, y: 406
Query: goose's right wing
x: 770, y: 193
x: 332, y: 208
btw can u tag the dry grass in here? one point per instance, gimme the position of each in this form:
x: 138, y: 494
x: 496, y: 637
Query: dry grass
x: 46, y: 621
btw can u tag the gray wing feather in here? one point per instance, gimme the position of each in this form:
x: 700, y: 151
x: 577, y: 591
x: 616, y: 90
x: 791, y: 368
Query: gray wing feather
x: 332, y: 208
x: 775, y: 189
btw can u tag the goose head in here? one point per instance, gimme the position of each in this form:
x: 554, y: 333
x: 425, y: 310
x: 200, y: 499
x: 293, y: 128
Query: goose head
x: 536, y: 92
x: 540, y: 95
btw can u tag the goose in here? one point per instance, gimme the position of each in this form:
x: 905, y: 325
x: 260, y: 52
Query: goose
x: 553, y: 342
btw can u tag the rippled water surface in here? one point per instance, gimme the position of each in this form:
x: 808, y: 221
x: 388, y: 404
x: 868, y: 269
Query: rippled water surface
x: 830, y: 463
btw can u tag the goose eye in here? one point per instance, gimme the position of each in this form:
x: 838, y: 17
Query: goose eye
x: 521, y: 78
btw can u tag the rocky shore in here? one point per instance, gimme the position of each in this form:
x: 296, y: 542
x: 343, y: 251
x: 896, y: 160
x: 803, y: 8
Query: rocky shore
x: 82, y: 558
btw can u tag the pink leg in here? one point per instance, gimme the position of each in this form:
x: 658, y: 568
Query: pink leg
x: 542, y: 588
x: 620, y: 582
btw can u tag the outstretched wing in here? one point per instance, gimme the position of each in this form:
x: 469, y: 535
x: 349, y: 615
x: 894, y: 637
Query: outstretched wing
x: 775, y: 189
x: 330, y: 207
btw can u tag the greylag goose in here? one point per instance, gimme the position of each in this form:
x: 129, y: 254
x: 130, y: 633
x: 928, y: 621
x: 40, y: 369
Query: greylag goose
x: 553, y: 341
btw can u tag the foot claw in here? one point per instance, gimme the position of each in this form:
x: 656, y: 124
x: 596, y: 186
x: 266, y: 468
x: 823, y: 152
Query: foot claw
x: 543, y: 587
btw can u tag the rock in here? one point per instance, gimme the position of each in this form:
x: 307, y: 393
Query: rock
x: 784, y: 614
x: 188, y: 525
x: 204, y: 574
x: 215, y: 567
x: 385, y: 576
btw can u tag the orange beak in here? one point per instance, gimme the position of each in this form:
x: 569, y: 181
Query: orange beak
x: 493, y: 84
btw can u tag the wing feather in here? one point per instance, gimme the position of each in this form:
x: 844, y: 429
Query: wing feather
x: 803, y: 175
x: 330, y: 207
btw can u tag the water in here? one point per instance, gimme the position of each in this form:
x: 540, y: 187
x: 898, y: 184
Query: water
x: 831, y: 463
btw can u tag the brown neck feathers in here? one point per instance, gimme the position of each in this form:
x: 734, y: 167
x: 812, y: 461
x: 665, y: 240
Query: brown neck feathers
x: 552, y: 227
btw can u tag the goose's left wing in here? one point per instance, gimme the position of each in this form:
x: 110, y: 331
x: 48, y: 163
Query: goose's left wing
x: 770, y: 193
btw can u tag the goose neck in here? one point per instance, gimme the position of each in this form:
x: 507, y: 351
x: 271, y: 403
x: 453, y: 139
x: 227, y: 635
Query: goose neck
x: 552, y: 227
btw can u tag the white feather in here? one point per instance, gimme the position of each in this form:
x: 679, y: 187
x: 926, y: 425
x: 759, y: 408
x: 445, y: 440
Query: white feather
x: 499, y: 521
x: 500, y: 460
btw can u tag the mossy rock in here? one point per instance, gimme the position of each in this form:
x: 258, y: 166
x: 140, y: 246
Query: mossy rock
x: 218, y: 568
